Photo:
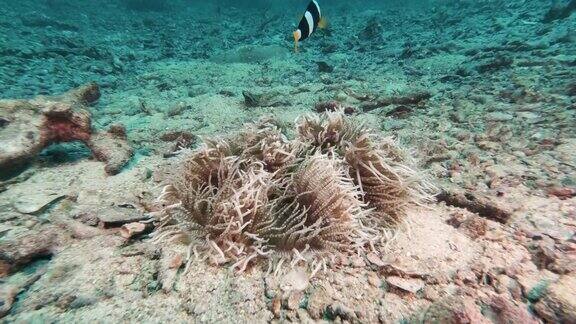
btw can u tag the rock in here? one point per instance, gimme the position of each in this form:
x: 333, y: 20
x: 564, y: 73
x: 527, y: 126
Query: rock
x: 399, y: 111
x: 253, y: 100
x: 295, y: 280
x: 415, y: 98
x: 134, y: 229
x: 37, y: 123
x: 318, y: 300
x: 483, y: 206
x: 111, y: 147
x: 338, y: 310
x: 498, y: 116
x: 26, y: 248
x: 411, y: 285
x: 293, y: 300
x: 562, y: 192
x: 375, y: 260
x: 559, y: 302
x: 8, y: 292
x: 324, y: 67
x: 466, y: 278
x: 474, y: 226
x: 543, y: 253
x: 454, y: 310
x: 357, y: 262
x: 170, y: 262
x: 563, y: 265
x: 374, y: 280
x: 7, y: 297
x: 333, y: 105
x: 502, y: 310
x: 36, y: 202
x: 253, y: 54
x: 276, y: 306
x: 118, y: 216
x: 499, y: 62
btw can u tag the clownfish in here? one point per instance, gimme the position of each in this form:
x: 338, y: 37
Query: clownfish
x: 311, y: 20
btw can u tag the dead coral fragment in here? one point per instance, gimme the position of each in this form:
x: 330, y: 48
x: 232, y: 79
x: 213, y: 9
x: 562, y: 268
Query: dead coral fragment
x: 28, y: 126
x: 334, y: 189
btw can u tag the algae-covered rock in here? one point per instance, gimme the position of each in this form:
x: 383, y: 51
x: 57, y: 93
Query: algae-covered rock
x: 453, y: 310
x: 252, y: 54
x: 559, y: 302
x: 24, y: 249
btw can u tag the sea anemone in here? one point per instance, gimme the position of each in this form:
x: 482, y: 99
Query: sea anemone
x: 386, y: 176
x: 334, y: 189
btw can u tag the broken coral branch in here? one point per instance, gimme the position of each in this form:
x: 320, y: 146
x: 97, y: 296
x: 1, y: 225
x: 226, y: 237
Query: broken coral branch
x: 476, y: 204
x: 29, y: 126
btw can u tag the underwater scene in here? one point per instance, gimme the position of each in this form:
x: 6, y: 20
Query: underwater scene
x: 307, y: 161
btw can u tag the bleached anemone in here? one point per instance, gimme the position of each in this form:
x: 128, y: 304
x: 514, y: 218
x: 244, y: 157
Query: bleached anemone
x: 334, y: 189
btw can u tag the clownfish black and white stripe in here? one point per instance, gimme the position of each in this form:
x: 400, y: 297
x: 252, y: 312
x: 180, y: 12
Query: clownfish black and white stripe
x: 311, y: 20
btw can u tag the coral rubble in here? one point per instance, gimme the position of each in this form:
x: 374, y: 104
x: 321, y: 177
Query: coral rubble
x: 29, y: 126
x: 336, y: 188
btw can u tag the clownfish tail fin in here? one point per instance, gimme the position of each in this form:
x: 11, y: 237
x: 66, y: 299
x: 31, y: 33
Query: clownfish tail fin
x: 323, y: 23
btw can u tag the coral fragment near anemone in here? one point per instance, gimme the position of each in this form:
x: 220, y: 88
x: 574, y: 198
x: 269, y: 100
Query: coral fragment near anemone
x: 337, y: 188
